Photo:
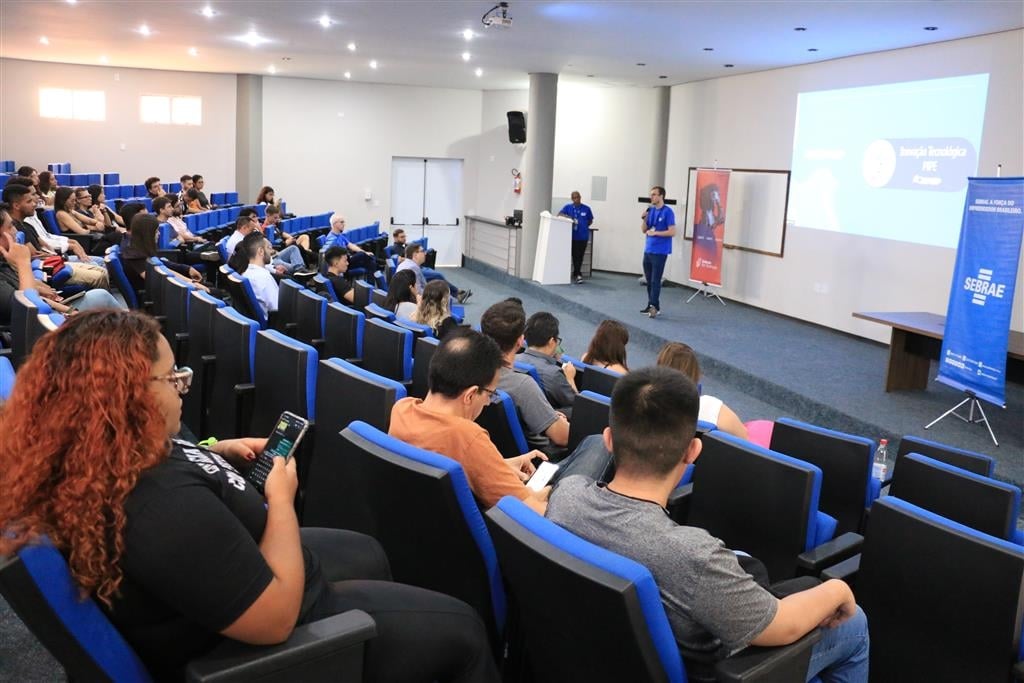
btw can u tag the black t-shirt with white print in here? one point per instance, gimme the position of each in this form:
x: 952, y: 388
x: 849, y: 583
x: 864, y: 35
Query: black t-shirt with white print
x: 192, y: 564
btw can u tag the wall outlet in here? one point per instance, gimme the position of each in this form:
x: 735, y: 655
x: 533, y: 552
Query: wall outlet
x: 367, y: 195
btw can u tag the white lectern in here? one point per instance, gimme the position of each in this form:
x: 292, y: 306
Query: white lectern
x: 553, y: 262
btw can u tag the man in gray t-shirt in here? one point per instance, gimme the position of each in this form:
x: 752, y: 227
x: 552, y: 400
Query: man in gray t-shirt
x: 543, y: 351
x: 713, y: 606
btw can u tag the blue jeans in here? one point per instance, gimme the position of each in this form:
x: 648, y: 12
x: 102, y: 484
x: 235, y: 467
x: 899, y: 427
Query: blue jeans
x: 430, y: 274
x: 654, y: 269
x: 841, y: 656
x: 590, y: 459
x: 96, y: 298
x: 290, y: 258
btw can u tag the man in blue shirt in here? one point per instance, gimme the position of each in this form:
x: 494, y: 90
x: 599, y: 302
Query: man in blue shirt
x: 582, y: 218
x: 357, y: 257
x: 659, y: 225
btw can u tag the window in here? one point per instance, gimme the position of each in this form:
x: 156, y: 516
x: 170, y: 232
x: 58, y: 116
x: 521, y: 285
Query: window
x: 181, y: 111
x: 81, y: 105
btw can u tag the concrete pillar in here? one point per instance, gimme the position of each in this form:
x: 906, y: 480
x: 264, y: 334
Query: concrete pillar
x: 538, y: 173
x: 248, y: 137
x: 659, y: 149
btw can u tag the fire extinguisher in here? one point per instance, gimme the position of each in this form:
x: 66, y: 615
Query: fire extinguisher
x: 517, y: 181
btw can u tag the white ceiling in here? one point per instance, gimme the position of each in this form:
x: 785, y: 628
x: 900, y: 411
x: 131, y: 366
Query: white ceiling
x: 419, y: 42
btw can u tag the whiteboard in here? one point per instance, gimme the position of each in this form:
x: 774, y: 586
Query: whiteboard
x: 755, y: 212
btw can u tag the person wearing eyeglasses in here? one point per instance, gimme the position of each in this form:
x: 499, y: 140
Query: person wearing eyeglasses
x: 544, y: 352
x: 174, y: 544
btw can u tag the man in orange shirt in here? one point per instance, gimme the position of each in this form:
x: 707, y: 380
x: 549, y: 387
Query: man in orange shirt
x: 463, y: 379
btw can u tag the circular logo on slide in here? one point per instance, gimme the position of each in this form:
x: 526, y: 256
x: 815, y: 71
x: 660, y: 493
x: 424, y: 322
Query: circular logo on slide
x: 879, y: 163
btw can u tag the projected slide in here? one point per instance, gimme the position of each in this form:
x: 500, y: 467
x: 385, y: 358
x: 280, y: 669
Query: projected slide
x: 888, y: 161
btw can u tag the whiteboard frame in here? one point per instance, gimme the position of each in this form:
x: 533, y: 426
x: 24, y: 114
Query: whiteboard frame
x: 691, y: 175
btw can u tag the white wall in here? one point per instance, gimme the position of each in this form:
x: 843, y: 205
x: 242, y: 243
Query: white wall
x: 747, y: 122
x: 603, y: 131
x: 495, y: 198
x: 325, y: 142
x: 95, y: 146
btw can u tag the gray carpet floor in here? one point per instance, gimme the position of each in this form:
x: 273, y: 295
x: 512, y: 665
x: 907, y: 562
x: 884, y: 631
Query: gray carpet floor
x: 761, y: 364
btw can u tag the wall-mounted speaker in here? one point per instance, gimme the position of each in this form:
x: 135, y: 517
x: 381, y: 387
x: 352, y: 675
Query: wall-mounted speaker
x: 516, y: 126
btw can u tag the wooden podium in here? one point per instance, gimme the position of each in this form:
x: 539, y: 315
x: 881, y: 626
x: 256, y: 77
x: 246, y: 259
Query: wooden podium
x: 553, y: 262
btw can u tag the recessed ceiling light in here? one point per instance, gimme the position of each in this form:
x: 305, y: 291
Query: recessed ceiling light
x: 812, y: 49
x: 72, y: 2
x: 324, y: 21
x: 252, y: 39
x: 43, y: 40
x: 466, y: 56
x: 709, y: 49
x: 348, y: 74
x: 272, y: 69
x: 351, y: 47
x: 800, y: 28
x: 467, y: 34
x: 207, y: 12
x: 728, y: 66
x: 479, y: 72
x: 193, y: 52
x: 373, y: 63
x: 103, y: 58
x: 144, y: 30
x: 931, y: 28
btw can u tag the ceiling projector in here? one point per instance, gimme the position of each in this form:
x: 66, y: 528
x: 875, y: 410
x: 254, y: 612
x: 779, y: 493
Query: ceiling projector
x: 497, y: 17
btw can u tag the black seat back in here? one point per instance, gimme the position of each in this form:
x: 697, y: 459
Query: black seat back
x: 501, y: 420
x: 310, y: 311
x: 423, y: 351
x: 153, y: 286
x: 234, y: 342
x: 599, y: 380
x: 201, y: 312
x: 958, y: 457
x: 387, y: 350
x: 287, y: 304
x: 944, y: 602
x: 590, y: 412
x: 175, y: 299
x: 344, y: 328
x: 25, y: 308
x: 378, y: 296
x: 361, y: 293
x: 284, y: 372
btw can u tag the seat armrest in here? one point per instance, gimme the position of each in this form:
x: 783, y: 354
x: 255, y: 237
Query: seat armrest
x: 679, y: 503
x: 330, y: 649
x: 769, y: 664
x: 244, y: 396
x: 845, y: 570
x: 828, y: 554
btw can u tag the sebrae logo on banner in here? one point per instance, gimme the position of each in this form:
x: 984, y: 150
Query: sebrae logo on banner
x: 982, y: 287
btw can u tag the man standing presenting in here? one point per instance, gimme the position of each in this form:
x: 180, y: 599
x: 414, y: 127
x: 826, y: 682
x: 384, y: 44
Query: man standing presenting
x: 658, y: 223
x: 582, y: 218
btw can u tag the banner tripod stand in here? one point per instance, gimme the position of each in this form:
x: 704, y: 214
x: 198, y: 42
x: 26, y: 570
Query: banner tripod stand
x: 707, y: 292
x: 973, y: 402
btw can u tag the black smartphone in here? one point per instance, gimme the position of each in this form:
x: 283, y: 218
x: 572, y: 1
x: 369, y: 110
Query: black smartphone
x: 283, y: 443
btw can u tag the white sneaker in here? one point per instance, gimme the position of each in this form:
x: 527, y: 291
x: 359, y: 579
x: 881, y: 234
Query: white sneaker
x: 653, y: 312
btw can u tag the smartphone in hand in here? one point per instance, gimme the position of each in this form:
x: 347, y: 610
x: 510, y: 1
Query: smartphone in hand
x: 283, y: 443
x: 542, y: 476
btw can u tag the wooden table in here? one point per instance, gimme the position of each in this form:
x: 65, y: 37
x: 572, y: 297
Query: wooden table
x: 916, y: 341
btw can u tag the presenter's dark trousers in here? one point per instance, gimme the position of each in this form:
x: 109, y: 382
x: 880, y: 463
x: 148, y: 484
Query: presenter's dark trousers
x: 579, y: 247
x: 654, y: 269
x: 421, y: 635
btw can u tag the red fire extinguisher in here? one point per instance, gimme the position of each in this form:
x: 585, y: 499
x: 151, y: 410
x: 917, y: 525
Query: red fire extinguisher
x: 517, y: 181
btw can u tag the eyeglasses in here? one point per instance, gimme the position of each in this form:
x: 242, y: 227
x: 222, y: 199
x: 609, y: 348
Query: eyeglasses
x: 492, y: 396
x: 181, y: 378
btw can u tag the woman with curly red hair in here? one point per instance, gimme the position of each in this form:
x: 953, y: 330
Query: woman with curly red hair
x: 177, y: 547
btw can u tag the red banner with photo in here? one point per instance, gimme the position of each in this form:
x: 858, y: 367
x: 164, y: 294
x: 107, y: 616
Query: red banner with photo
x: 709, y: 226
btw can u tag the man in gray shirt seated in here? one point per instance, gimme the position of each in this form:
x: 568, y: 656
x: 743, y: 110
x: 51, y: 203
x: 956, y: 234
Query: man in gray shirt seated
x: 714, y: 607
x: 544, y: 352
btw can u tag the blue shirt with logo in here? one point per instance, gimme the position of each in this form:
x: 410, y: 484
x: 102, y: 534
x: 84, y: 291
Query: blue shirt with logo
x: 661, y: 220
x: 583, y: 216
x: 333, y: 239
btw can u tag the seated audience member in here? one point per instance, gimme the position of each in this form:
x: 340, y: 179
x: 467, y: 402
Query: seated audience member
x: 30, y: 173
x: 85, y: 271
x: 129, y: 210
x: 47, y: 188
x: 191, y: 204
x: 65, y: 206
x: 682, y: 358
x: 140, y: 245
x: 167, y: 210
x: 357, y: 257
x: 336, y: 260
x: 244, y: 225
x: 544, y: 352
x: 198, y: 183
x: 413, y: 256
x: 16, y: 274
x: 186, y: 184
x: 398, y: 244
x: 273, y: 219
x: 86, y: 210
x: 178, y: 549
x: 266, y: 196
x: 98, y: 203
x: 250, y: 260
x: 153, y: 188
x: 714, y: 607
x: 505, y: 323
x: 402, y: 298
x: 434, y: 309
x: 608, y: 347
x: 461, y: 382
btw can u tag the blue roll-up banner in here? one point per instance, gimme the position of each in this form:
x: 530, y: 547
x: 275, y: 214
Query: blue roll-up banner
x: 977, y: 334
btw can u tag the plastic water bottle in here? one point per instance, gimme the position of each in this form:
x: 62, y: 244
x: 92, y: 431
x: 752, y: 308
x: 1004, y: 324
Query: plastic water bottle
x: 880, y: 467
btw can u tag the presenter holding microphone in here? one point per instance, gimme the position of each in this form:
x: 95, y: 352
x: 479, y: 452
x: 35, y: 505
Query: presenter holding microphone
x: 659, y: 225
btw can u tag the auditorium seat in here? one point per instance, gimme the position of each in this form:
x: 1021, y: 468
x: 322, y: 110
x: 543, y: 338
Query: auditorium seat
x: 7, y: 377
x: 284, y: 378
x: 202, y: 310
x: 943, y: 601
x: 417, y: 329
x: 597, y: 379
x: 590, y: 413
x: 847, y: 487
x: 361, y: 293
x: 326, y: 286
x: 387, y: 350
x: 528, y: 369
x: 153, y: 289
x: 378, y: 312
x: 378, y: 296
x: 37, y: 584
x: 344, y: 328
x: 310, y: 311
x: 244, y: 299
x: 766, y: 504
x: 584, y: 613
x: 958, y: 457
x: 26, y: 306
x: 423, y: 352
x: 234, y: 343
x: 419, y: 506
x: 175, y: 297
x: 982, y: 503
x: 119, y: 279
x: 287, y: 301
x: 501, y: 420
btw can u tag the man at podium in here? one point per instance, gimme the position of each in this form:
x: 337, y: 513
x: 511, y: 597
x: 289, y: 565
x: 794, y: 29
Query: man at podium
x: 582, y: 218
